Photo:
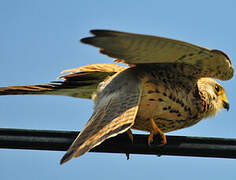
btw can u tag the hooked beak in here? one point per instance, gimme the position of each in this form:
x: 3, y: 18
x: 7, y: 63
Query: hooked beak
x: 226, y: 105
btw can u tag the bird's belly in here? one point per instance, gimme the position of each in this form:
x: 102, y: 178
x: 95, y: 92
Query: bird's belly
x: 170, y: 109
x: 165, y: 124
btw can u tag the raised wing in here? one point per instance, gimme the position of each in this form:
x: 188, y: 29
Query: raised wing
x: 114, y: 113
x: 138, y: 49
x: 81, y: 83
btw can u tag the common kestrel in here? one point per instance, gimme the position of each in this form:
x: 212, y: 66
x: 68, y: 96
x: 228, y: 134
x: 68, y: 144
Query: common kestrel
x: 166, y: 87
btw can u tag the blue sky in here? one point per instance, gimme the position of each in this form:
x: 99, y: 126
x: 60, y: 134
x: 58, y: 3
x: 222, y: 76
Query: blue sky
x: 39, y: 39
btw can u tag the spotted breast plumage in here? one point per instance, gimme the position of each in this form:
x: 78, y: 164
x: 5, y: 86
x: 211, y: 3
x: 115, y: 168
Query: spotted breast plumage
x: 167, y: 86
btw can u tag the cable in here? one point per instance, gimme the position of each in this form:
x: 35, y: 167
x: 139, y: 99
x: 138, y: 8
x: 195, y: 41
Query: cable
x: 176, y: 145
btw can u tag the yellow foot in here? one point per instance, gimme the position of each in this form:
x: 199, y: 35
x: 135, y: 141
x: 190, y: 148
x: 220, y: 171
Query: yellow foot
x: 156, y: 133
x: 130, y: 134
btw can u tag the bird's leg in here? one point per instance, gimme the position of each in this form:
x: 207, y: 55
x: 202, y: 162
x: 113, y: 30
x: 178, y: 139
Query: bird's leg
x: 155, y: 131
x: 129, y: 132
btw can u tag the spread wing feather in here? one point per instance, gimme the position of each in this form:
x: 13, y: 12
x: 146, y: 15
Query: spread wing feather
x: 114, y: 113
x: 137, y: 49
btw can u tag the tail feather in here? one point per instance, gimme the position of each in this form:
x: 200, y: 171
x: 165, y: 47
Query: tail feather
x: 28, y: 89
x: 82, y: 82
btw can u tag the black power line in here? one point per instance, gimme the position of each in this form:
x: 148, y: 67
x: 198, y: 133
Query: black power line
x: 177, y: 145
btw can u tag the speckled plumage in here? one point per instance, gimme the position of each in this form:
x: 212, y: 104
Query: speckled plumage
x: 173, y: 103
x: 166, y: 87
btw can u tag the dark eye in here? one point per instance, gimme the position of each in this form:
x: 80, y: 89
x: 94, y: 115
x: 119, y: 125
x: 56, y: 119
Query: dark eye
x: 217, y: 88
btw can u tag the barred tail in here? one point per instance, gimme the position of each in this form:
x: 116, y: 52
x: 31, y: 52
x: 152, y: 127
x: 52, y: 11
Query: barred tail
x: 81, y: 83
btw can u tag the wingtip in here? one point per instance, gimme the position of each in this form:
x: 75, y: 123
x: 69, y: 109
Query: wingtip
x: 86, y: 40
x: 62, y: 162
x: 66, y: 158
x: 99, y: 33
x: 104, y: 32
x: 95, y: 31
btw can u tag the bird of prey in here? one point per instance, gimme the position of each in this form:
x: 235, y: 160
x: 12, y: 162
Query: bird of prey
x: 167, y: 86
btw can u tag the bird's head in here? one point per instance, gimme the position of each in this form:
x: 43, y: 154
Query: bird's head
x: 214, y: 95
